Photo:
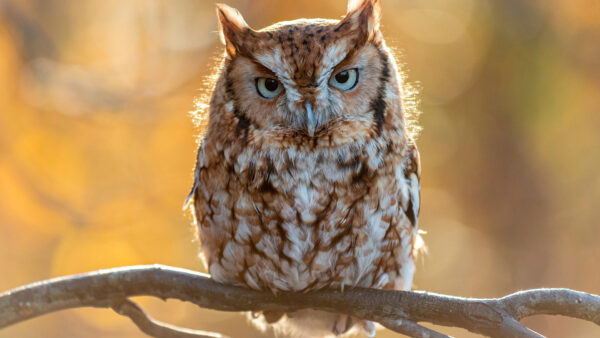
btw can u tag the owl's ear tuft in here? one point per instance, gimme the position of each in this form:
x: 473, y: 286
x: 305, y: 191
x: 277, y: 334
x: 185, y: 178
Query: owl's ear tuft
x: 232, y: 29
x: 363, y: 17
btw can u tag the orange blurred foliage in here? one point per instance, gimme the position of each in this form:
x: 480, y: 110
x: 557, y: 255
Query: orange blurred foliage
x: 97, y: 144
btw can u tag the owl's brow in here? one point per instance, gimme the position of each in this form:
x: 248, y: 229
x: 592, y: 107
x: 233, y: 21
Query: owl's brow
x: 348, y: 59
x: 262, y: 68
x: 278, y: 63
x: 334, y: 68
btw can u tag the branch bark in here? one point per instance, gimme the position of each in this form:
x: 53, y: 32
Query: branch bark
x: 397, y: 310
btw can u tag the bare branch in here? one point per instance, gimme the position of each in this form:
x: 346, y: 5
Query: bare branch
x: 564, y: 302
x: 397, y: 310
x: 411, y: 328
x: 155, y: 328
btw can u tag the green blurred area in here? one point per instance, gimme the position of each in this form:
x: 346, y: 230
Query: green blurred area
x: 97, y: 144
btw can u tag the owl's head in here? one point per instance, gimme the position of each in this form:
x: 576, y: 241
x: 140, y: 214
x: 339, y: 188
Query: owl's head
x: 314, y: 81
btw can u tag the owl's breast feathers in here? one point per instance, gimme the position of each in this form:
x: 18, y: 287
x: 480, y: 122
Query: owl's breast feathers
x: 290, y: 220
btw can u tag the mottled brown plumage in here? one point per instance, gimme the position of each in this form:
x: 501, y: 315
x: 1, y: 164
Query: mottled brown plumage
x: 302, y: 180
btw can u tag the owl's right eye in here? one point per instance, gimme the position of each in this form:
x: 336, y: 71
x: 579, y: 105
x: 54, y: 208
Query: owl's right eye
x: 268, y: 88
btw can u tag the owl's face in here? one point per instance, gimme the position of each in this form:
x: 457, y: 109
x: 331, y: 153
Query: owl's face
x: 309, y: 79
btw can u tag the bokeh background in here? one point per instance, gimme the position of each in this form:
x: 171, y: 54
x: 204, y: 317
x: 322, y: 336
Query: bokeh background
x: 97, y: 144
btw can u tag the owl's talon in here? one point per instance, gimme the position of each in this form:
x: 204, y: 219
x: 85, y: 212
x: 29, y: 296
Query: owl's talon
x: 272, y: 316
x: 342, y: 324
x: 368, y: 327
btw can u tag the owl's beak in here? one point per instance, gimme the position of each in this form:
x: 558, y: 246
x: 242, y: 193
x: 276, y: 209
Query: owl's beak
x: 311, y: 122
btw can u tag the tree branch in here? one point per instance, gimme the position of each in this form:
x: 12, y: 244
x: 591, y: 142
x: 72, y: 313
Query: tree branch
x: 155, y: 328
x: 397, y: 310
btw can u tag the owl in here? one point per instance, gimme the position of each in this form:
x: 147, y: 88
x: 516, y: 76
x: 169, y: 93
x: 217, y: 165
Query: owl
x: 307, y: 176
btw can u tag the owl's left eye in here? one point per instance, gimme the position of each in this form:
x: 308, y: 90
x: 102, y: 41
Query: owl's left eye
x: 345, y: 80
x: 268, y: 88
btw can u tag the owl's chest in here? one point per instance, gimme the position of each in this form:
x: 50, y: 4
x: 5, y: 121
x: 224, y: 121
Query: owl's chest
x: 294, y: 221
x: 316, y: 190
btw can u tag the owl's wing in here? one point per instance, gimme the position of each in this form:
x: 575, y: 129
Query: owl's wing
x: 189, y: 200
x: 412, y: 173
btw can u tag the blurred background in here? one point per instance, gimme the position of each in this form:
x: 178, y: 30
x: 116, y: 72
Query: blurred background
x: 97, y: 144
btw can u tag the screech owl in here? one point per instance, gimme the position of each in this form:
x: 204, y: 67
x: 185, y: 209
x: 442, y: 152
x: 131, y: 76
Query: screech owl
x: 307, y: 176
